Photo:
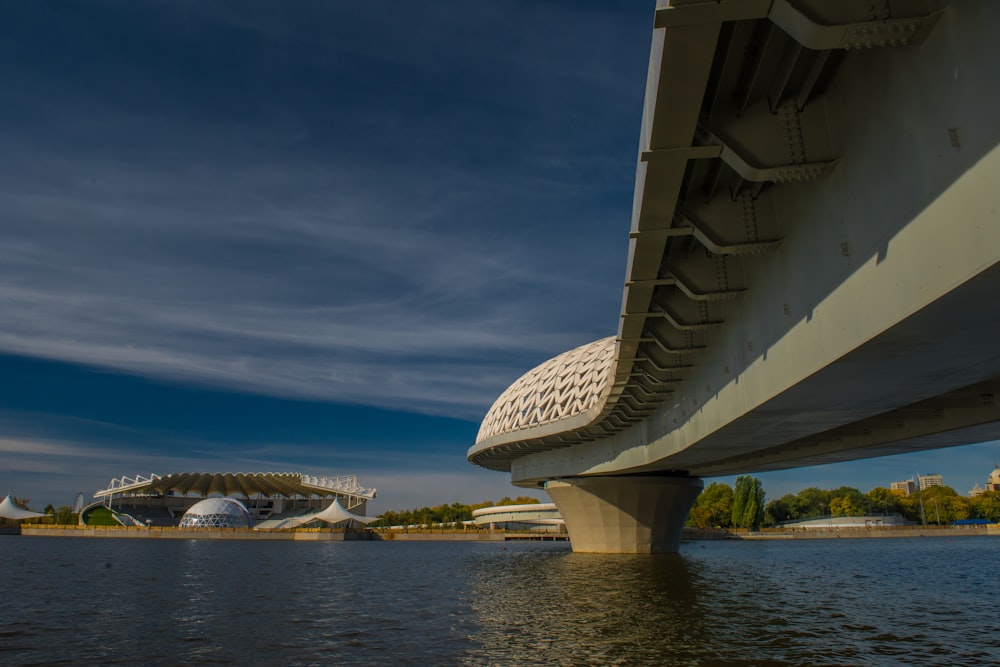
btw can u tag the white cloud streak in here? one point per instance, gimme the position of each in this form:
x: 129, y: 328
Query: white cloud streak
x: 313, y: 201
x: 299, y: 281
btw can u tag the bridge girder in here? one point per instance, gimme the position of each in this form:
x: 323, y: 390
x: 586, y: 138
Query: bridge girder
x: 790, y: 152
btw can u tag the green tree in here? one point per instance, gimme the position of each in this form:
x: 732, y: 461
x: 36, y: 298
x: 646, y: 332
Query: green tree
x: 713, y: 508
x: 883, y: 501
x: 447, y: 514
x: 985, y: 506
x: 909, y: 507
x: 64, y: 516
x: 814, y: 503
x: 943, y: 505
x: 845, y: 506
x: 748, y: 503
x: 808, y: 503
x: 852, y: 498
x: 776, y: 511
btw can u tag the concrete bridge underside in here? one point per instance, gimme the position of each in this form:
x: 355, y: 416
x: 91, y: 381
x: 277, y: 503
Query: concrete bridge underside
x: 813, y: 271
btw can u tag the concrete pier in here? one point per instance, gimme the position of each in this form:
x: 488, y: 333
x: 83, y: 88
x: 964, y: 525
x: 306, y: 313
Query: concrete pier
x: 625, y: 514
x: 814, y: 252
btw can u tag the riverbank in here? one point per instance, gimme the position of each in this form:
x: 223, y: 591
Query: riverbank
x: 472, y: 536
x: 169, y: 533
x: 307, y: 534
x: 330, y: 535
x: 694, y: 534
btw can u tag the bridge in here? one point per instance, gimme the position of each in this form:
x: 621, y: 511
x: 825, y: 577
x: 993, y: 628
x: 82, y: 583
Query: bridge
x: 813, y: 271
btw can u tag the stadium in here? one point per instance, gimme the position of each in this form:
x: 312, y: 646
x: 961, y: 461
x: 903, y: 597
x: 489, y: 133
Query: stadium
x: 261, y: 501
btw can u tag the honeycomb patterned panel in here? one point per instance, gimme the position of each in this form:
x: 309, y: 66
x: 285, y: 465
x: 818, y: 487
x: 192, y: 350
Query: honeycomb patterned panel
x: 562, y: 387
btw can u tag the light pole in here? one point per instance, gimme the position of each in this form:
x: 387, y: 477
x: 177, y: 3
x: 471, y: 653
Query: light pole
x: 920, y: 497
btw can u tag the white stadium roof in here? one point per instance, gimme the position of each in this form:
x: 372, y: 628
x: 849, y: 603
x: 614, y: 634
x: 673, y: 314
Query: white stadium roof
x: 240, y: 484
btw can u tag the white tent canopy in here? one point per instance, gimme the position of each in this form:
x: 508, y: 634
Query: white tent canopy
x: 335, y: 513
x: 8, y: 510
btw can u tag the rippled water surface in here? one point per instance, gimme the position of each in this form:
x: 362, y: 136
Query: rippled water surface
x: 825, y: 602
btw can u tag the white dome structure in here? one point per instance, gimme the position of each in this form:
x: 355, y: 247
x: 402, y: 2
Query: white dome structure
x: 217, y: 513
x: 566, y: 386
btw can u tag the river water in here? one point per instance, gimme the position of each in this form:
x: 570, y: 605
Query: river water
x: 930, y: 601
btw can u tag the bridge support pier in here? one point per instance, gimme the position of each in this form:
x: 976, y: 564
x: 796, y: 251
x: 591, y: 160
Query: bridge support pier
x: 624, y: 514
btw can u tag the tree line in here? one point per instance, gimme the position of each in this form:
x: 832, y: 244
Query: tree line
x: 722, y: 506
x: 443, y: 514
x: 937, y: 505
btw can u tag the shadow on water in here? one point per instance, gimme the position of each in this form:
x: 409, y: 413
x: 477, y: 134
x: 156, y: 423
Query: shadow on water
x: 856, y: 602
x: 560, y: 607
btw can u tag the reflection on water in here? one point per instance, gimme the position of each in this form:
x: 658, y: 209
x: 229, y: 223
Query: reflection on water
x: 834, y: 602
x: 845, y: 602
x: 575, y: 609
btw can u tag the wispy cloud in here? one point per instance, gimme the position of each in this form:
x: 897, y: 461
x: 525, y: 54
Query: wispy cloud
x: 313, y: 201
x: 270, y: 251
x: 55, y: 468
x: 46, y: 448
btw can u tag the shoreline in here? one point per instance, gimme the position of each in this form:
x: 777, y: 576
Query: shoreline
x: 334, y: 535
x: 885, y: 532
x: 305, y: 535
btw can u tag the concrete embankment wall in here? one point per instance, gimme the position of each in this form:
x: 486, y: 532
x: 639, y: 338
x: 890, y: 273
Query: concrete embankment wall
x: 315, y: 535
x: 158, y: 533
x: 688, y: 534
x: 416, y: 536
x: 327, y: 535
x: 861, y: 533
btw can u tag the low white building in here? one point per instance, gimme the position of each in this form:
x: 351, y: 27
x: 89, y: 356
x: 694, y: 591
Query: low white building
x: 826, y: 523
x: 538, y: 516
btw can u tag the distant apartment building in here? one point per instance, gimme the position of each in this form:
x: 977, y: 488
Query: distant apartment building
x: 927, y: 481
x: 909, y: 486
x: 906, y: 487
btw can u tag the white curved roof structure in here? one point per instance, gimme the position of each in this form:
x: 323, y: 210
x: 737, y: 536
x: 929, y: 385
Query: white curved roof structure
x: 240, y: 484
x: 336, y: 513
x: 573, y: 385
x: 8, y: 510
x: 333, y: 514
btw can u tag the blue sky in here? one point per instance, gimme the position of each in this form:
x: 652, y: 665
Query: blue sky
x: 311, y: 236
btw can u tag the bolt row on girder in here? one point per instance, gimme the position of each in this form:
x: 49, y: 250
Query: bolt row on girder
x: 669, y: 315
x: 808, y: 54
